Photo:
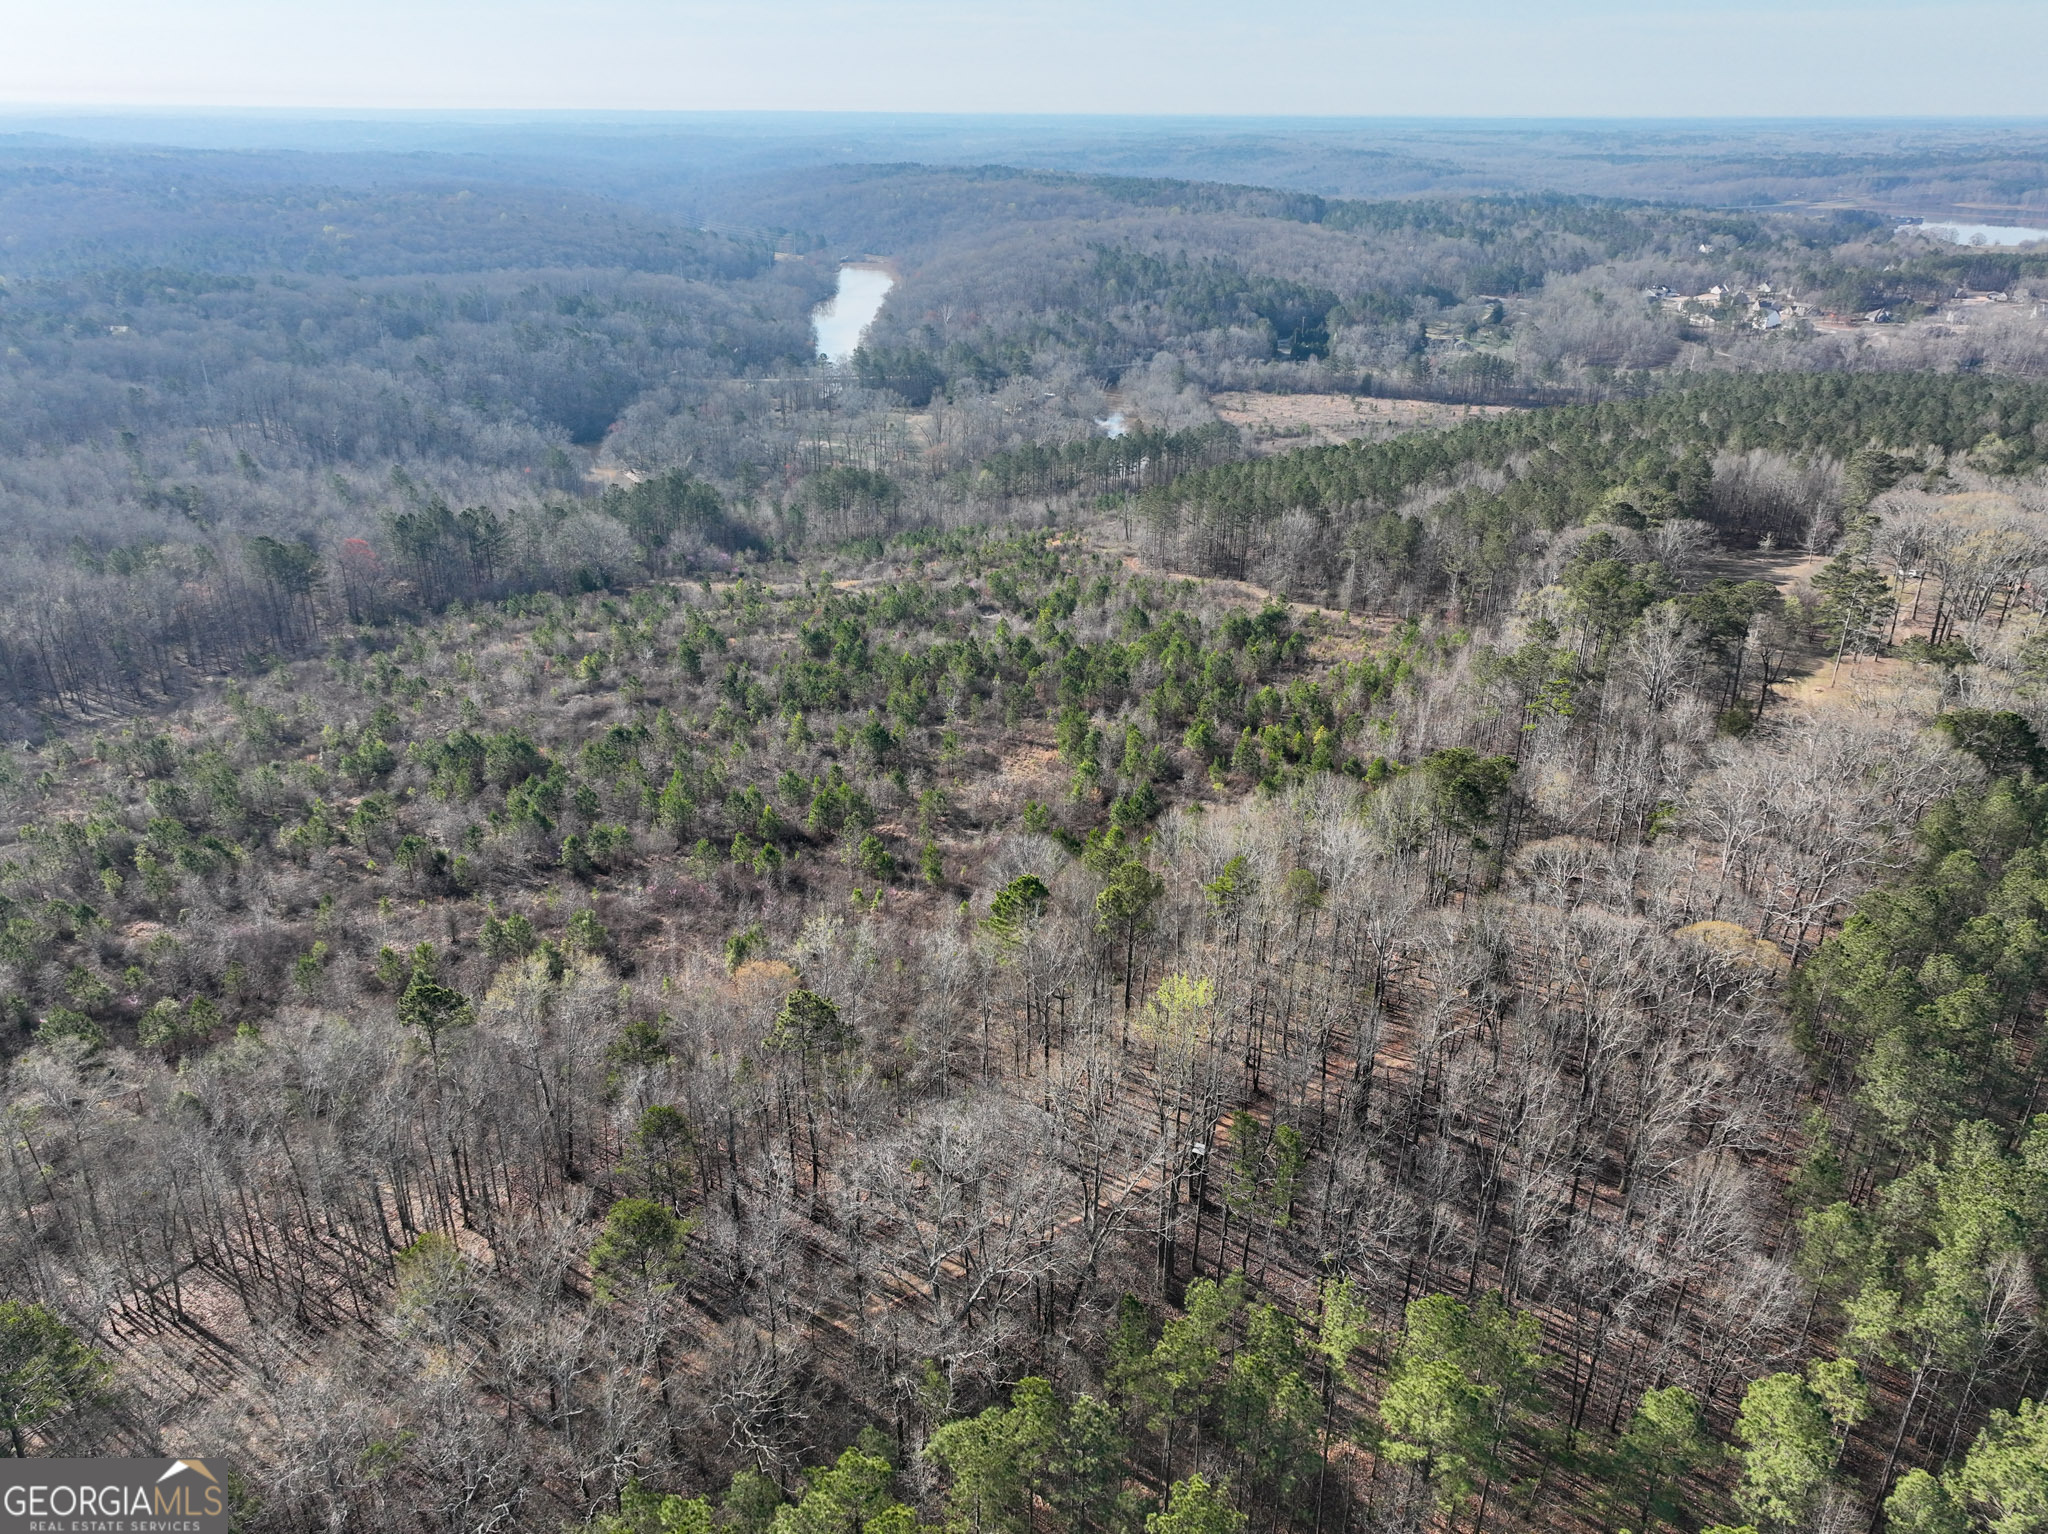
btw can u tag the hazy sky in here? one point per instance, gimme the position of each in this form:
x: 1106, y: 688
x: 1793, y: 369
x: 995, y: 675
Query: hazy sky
x: 1311, y: 57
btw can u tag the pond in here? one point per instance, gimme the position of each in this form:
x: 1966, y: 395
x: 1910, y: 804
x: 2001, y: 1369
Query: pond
x: 1980, y: 234
x: 843, y: 318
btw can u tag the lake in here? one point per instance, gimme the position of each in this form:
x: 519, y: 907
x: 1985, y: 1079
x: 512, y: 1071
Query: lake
x: 843, y: 318
x: 1981, y: 234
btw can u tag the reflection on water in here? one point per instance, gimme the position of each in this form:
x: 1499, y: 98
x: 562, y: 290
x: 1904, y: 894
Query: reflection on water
x: 1113, y: 425
x: 843, y: 318
x: 1982, y: 234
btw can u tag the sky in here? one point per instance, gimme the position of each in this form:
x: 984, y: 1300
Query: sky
x: 1507, y: 58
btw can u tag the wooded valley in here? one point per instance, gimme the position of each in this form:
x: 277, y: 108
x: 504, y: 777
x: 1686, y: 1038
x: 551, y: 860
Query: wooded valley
x: 607, y: 928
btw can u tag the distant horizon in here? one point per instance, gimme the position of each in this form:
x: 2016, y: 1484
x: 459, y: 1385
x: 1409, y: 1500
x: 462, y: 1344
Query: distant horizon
x: 678, y: 159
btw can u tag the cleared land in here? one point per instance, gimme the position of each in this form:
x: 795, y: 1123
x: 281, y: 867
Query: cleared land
x: 1280, y: 422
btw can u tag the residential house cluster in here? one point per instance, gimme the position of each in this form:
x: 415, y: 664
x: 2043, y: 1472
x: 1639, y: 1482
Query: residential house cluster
x: 1737, y: 308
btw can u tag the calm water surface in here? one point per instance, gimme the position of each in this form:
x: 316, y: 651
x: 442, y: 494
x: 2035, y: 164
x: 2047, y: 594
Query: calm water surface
x: 1982, y: 234
x: 843, y: 318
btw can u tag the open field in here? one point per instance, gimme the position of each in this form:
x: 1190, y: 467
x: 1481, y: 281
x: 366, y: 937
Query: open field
x: 1280, y: 422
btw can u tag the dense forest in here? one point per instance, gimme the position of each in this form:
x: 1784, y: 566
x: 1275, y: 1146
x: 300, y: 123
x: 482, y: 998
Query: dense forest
x: 607, y: 928
x: 1507, y: 297
x: 715, y: 167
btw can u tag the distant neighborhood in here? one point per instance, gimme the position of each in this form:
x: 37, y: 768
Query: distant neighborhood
x: 1763, y: 309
